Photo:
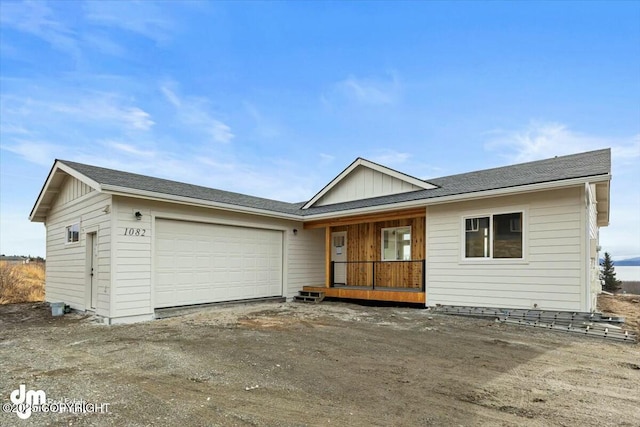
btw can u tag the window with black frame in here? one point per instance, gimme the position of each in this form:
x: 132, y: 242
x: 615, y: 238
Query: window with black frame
x: 496, y: 236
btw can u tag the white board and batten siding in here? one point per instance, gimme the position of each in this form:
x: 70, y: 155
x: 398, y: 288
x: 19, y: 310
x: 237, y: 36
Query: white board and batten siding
x: 550, y: 276
x: 364, y: 183
x: 67, y: 275
x: 201, y: 240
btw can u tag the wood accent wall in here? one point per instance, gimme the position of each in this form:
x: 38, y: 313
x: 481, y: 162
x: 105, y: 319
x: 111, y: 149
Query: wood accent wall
x: 364, y: 243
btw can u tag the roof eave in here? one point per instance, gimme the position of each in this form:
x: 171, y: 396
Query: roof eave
x: 603, y: 198
x: 37, y: 212
x: 463, y: 197
x: 43, y: 191
x: 162, y: 197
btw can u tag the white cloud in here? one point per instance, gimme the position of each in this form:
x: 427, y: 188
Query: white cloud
x: 366, y: 91
x: 406, y: 163
x: 143, y: 18
x: 627, y: 153
x: 540, y: 140
x: 130, y: 149
x: 78, y: 30
x: 195, y: 112
x: 326, y: 158
x: 137, y: 118
x: 101, y: 42
x: 390, y: 157
x: 220, y: 131
x: 26, y: 112
x: 171, y: 96
x: 39, y: 152
x: 265, y: 128
x: 14, y: 129
x: 39, y: 20
x: 273, y: 179
x: 41, y: 123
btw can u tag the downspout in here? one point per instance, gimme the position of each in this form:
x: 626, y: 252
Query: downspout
x: 587, y: 248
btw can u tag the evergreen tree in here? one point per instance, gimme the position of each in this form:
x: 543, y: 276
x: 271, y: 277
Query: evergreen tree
x: 608, y: 274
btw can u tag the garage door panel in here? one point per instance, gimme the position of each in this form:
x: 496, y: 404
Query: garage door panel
x: 198, y: 263
x: 203, y: 262
x: 202, y: 246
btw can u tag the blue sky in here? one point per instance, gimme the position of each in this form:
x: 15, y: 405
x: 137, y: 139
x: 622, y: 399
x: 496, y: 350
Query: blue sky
x: 275, y: 99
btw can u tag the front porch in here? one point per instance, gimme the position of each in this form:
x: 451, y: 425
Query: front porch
x: 379, y: 257
x: 358, y: 292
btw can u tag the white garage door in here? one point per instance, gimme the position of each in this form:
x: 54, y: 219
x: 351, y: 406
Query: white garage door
x: 198, y: 263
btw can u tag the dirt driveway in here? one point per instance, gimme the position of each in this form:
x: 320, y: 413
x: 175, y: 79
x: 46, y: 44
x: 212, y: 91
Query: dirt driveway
x: 340, y: 364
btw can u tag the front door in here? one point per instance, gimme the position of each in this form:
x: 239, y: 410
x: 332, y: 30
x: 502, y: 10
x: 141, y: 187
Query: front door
x: 92, y: 244
x: 339, y: 256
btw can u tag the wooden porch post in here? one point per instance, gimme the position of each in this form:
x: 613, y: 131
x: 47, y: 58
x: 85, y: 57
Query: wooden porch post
x: 327, y: 257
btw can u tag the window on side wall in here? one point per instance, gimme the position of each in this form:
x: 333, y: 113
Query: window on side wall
x: 73, y: 233
x: 495, y: 236
x: 396, y: 244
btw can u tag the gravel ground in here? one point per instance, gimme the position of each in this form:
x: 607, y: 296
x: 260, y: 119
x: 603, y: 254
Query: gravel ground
x: 288, y: 364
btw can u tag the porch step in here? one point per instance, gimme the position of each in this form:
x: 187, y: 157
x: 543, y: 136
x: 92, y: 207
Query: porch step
x: 309, y: 296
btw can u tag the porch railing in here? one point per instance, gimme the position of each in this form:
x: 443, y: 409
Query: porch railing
x: 402, y: 275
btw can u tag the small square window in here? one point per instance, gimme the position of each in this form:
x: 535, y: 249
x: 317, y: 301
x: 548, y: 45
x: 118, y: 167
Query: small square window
x: 73, y: 233
x: 396, y: 244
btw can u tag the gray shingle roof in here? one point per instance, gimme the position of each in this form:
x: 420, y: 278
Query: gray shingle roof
x: 112, y: 177
x: 580, y: 165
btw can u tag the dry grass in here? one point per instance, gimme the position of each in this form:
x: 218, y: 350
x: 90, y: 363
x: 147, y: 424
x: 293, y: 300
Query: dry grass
x: 631, y: 287
x: 627, y: 306
x: 21, y: 283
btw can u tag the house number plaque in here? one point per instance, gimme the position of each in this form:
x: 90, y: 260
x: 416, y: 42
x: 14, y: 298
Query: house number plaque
x: 139, y: 232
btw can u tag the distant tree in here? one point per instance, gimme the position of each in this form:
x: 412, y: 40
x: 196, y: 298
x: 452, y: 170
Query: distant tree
x: 608, y: 274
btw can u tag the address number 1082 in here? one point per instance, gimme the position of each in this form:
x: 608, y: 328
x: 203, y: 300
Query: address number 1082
x: 135, y: 232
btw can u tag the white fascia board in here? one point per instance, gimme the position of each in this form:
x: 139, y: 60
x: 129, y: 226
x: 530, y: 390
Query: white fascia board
x: 379, y: 168
x: 43, y: 191
x: 462, y: 197
x: 58, y: 165
x: 161, y: 197
x: 333, y: 183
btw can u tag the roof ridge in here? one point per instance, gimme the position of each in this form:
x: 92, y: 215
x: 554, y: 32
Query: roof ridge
x: 559, y: 168
x: 529, y: 163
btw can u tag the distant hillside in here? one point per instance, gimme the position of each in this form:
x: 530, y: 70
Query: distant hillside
x: 628, y: 262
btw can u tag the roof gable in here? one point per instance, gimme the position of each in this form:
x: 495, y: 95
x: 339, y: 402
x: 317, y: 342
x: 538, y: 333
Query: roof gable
x: 52, y: 187
x: 557, y: 171
x: 364, y: 179
x: 131, y: 184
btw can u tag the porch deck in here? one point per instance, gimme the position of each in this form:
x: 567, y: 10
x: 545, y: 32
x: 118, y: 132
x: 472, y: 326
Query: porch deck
x: 367, y: 293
